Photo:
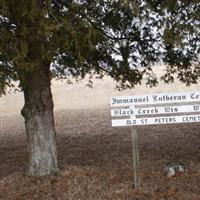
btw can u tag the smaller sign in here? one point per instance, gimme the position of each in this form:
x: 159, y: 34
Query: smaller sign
x: 155, y: 120
x: 155, y: 110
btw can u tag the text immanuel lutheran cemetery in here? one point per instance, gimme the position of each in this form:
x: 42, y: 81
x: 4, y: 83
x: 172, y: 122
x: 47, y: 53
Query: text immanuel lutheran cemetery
x: 152, y: 109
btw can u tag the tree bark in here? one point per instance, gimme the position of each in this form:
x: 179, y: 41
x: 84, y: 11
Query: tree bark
x: 39, y: 122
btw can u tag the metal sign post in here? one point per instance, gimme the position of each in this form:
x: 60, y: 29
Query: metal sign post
x: 136, y: 167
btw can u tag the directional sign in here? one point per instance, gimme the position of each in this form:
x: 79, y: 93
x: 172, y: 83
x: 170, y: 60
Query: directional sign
x: 144, y: 109
x: 155, y: 110
x: 155, y: 120
x: 163, y: 98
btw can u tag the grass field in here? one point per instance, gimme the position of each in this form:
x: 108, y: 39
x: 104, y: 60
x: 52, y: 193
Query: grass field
x: 96, y: 159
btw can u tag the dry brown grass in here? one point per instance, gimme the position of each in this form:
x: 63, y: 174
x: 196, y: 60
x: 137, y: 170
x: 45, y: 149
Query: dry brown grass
x: 96, y: 159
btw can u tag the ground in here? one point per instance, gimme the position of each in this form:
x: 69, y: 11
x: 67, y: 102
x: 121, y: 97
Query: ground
x: 96, y: 159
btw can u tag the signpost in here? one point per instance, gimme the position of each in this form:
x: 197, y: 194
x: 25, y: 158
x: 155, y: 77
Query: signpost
x: 153, y: 109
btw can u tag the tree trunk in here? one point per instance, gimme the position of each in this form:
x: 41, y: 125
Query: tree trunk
x: 39, y: 121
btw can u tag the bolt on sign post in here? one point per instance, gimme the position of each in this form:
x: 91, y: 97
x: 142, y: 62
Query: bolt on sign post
x: 153, y: 109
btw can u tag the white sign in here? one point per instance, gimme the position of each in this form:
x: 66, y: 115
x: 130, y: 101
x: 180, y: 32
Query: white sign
x: 155, y: 110
x: 156, y: 120
x: 163, y: 98
x: 192, y: 99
